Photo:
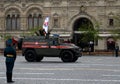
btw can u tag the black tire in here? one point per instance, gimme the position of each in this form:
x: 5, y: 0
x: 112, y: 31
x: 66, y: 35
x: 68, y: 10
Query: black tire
x: 39, y: 58
x: 75, y: 58
x: 30, y: 55
x: 67, y: 56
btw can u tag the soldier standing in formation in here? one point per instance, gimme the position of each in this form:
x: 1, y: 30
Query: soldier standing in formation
x: 10, y: 54
x: 116, y: 50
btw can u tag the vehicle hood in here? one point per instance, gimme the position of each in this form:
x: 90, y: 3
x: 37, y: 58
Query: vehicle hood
x: 69, y: 45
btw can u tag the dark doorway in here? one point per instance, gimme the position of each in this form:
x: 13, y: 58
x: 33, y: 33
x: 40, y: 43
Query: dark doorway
x: 80, y: 25
x: 110, y: 44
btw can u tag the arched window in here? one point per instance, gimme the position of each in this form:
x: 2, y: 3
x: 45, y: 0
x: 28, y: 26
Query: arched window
x: 111, y: 22
x: 13, y: 22
x: 55, y: 20
x: 111, y: 19
x: 34, y: 20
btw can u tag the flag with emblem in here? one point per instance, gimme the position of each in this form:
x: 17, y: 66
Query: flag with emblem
x: 45, y: 24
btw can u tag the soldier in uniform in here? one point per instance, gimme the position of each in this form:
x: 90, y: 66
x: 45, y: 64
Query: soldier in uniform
x: 10, y: 54
x: 116, y: 50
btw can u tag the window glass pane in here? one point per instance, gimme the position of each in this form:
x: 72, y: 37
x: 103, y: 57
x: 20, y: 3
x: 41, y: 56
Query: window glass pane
x: 18, y: 22
x: 40, y: 21
x: 13, y: 23
x: 30, y: 23
x: 8, y: 23
x: 35, y: 22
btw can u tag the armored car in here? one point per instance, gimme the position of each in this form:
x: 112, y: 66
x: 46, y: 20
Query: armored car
x: 35, y: 48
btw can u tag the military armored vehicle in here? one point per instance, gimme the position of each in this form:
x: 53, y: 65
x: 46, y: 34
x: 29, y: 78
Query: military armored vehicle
x: 35, y: 48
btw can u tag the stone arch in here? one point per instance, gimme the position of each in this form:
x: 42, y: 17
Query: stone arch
x: 34, y: 8
x: 13, y: 9
x: 74, y: 18
x: 12, y: 16
x: 76, y: 35
x: 34, y: 15
x: 82, y: 23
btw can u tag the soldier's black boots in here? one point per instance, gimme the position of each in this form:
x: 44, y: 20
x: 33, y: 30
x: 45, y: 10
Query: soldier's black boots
x: 9, y: 78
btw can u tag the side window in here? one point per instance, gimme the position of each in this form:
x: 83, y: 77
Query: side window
x: 53, y: 42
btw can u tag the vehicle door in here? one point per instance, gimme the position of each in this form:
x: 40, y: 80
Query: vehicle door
x: 54, y: 49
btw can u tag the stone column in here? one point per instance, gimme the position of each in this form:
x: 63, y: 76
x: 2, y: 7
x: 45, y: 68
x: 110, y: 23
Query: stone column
x: 23, y: 23
x: 2, y: 23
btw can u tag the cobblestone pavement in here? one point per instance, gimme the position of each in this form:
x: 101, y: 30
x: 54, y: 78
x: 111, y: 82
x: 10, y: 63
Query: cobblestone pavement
x: 87, y: 70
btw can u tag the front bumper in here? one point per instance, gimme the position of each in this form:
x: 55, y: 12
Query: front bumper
x: 78, y: 52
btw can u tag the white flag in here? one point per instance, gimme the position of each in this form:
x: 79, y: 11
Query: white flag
x: 45, y: 24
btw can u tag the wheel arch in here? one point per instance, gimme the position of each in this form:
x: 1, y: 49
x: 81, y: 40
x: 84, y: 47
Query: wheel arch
x: 25, y: 50
x: 67, y: 50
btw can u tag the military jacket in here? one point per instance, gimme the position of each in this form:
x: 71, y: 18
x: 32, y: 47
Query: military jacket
x: 10, y: 53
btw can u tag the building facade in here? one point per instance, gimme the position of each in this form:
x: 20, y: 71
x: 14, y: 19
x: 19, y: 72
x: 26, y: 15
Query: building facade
x: 17, y: 17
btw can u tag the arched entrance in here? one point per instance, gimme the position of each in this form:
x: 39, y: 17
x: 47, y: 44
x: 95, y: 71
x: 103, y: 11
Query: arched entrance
x: 110, y: 43
x: 81, y: 38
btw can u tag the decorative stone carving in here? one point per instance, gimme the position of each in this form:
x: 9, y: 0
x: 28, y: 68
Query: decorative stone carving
x: 12, y: 1
x: 82, y: 9
x: 23, y: 4
x: 111, y: 2
x: 83, y: 2
x: 56, y: 2
x: 12, y: 11
x: 1, y: 5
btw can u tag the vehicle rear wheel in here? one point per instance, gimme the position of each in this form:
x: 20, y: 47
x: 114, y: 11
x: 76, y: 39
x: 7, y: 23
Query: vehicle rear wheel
x: 30, y: 55
x: 67, y: 56
x: 39, y: 58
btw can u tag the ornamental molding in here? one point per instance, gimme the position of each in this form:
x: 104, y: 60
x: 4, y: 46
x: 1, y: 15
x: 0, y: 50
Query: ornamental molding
x: 56, y: 2
x: 111, y: 1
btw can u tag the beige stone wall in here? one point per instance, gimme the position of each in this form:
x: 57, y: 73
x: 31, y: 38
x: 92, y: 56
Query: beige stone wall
x: 67, y: 11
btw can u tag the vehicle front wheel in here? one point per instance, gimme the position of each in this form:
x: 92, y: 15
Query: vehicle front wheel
x: 30, y: 55
x: 75, y: 58
x: 39, y: 58
x: 67, y: 56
